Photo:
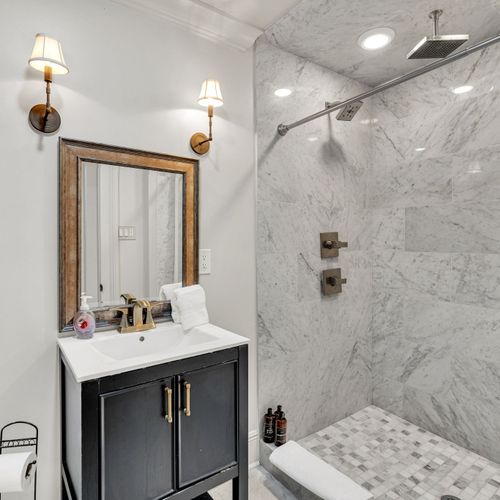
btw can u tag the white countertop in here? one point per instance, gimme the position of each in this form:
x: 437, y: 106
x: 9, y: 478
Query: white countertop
x: 109, y: 353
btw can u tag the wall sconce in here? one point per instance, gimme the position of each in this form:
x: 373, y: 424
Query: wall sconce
x: 211, y: 97
x: 47, y: 57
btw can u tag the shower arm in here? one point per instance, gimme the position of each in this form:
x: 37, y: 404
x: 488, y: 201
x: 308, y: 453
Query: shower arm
x: 283, y: 129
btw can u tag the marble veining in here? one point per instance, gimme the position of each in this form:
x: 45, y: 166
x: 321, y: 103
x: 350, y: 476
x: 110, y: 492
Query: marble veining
x: 413, y: 183
x: 436, y: 298
x: 326, y: 32
x: 314, y: 351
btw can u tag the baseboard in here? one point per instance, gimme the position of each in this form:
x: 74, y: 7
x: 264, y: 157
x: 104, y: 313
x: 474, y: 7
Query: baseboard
x: 253, y: 448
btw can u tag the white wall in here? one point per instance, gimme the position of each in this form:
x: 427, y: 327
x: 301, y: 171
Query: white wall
x: 133, y: 82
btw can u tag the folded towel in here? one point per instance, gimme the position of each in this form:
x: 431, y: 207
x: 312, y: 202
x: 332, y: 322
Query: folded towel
x: 166, y: 290
x: 189, y: 303
x: 166, y: 294
x: 315, y: 474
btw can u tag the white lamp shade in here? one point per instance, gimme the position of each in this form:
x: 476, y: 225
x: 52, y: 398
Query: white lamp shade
x: 48, y: 52
x: 210, y: 94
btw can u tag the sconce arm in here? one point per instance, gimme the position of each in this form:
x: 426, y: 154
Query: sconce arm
x: 210, y: 116
x: 48, y: 80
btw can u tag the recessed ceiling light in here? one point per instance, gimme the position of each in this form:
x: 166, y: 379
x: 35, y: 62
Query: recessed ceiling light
x: 376, y: 38
x: 463, y: 89
x: 419, y: 149
x: 313, y: 138
x: 282, y: 92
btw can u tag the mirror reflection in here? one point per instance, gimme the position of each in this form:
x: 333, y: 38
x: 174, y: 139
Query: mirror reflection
x: 131, y: 224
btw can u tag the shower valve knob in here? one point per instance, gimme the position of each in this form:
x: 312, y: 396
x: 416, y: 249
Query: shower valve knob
x: 332, y: 281
x: 335, y: 281
x: 330, y: 245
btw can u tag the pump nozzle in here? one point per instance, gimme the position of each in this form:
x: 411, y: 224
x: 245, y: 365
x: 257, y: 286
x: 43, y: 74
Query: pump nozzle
x: 83, y: 302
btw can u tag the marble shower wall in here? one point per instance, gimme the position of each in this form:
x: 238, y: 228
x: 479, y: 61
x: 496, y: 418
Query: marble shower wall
x: 436, y: 269
x: 314, y: 351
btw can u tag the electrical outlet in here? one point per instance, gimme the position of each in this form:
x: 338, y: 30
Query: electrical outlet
x: 205, y: 261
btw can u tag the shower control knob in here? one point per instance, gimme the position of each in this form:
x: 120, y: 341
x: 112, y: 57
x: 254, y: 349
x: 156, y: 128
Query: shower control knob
x: 334, y: 244
x: 335, y: 281
x: 330, y: 245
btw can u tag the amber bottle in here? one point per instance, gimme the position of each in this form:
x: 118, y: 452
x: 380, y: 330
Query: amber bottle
x: 281, y: 429
x: 269, y: 419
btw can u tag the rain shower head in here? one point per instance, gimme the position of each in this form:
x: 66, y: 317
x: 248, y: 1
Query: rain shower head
x: 436, y: 46
x: 347, y: 113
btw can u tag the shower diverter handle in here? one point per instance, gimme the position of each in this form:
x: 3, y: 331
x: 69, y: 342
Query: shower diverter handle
x: 333, y: 281
x: 329, y: 244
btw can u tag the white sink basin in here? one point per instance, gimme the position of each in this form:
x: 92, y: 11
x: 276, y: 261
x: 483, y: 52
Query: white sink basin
x: 152, y: 342
x: 109, y: 353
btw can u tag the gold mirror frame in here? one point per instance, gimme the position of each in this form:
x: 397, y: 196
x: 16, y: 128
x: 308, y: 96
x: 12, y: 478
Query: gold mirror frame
x: 71, y: 155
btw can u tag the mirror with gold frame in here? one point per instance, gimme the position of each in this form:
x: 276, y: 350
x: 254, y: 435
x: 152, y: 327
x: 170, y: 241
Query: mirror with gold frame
x: 128, y: 224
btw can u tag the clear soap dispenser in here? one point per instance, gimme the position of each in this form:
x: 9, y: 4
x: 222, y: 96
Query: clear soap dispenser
x: 84, y: 322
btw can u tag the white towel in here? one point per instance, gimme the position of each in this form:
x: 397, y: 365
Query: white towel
x: 315, y: 474
x: 166, y: 294
x: 166, y: 290
x: 190, y: 306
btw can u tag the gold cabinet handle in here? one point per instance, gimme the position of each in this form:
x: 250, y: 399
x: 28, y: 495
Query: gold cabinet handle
x: 187, y: 399
x: 168, y: 396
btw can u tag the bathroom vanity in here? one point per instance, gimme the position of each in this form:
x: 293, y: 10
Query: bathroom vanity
x: 153, y: 415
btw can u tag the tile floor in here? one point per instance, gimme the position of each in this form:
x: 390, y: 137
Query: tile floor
x: 261, y: 486
x: 395, y: 459
x: 392, y: 458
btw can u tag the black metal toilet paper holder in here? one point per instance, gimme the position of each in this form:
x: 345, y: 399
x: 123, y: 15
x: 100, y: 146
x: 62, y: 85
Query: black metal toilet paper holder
x: 21, y: 443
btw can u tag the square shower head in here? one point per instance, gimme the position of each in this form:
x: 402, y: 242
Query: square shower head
x: 437, y: 47
x: 347, y: 113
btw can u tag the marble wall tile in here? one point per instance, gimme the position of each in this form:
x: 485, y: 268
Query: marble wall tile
x: 463, y: 414
x: 412, y: 183
x: 477, y: 175
x: 414, y: 271
x: 314, y: 351
x: 418, y: 183
x: 476, y: 279
x: 467, y: 227
x: 388, y: 394
x: 478, y: 329
x: 429, y: 320
x: 388, y: 229
x: 436, y: 359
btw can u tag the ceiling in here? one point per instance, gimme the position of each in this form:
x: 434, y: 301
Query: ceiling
x: 258, y: 13
x: 326, y: 31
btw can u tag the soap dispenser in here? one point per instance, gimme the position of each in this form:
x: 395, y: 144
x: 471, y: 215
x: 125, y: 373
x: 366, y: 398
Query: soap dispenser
x: 84, y: 322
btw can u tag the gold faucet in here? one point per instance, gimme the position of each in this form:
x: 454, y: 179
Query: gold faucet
x: 138, y: 307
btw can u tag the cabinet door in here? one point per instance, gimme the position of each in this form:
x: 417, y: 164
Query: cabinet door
x: 137, y: 442
x: 207, y: 421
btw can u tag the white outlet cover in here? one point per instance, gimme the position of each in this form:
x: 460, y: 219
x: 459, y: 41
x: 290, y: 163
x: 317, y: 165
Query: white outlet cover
x: 205, y: 261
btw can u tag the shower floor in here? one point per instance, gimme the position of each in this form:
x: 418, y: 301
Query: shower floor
x: 395, y: 459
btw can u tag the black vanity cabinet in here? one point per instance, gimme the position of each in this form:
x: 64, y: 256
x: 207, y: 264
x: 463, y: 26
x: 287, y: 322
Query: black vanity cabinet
x: 137, y: 442
x: 168, y: 431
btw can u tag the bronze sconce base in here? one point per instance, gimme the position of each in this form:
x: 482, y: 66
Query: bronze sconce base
x: 43, y: 117
x: 44, y: 120
x: 200, y: 143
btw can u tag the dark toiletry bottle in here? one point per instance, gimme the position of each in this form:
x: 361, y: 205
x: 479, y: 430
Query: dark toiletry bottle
x: 278, y: 411
x: 281, y: 425
x: 269, y: 419
x: 276, y: 416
